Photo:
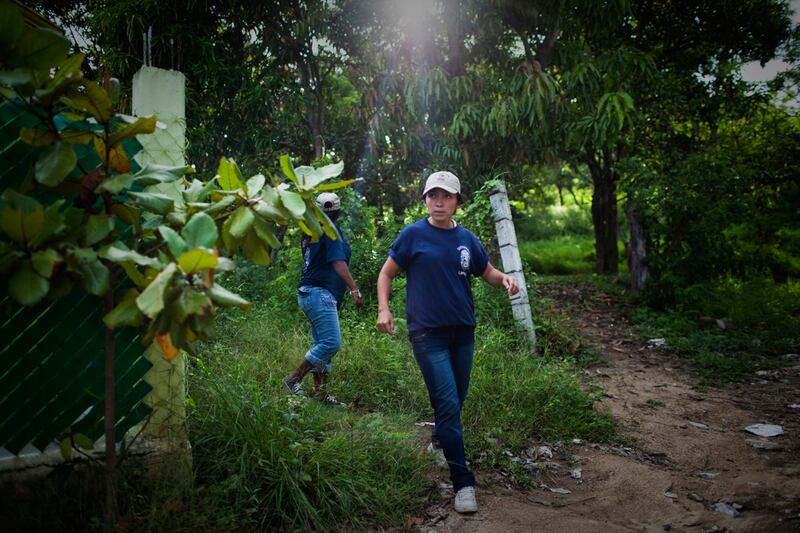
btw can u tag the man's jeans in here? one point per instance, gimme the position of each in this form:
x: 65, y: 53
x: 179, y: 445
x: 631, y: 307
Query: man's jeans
x: 319, y: 305
x: 444, y: 356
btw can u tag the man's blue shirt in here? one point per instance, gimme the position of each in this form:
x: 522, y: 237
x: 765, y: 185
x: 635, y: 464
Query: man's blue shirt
x: 438, y: 264
x: 318, y: 258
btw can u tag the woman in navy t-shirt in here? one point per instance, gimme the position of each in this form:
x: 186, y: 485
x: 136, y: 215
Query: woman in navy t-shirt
x: 439, y: 258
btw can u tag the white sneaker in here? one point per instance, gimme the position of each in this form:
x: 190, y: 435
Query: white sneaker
x: 465, y: 501
x: 438, y: 454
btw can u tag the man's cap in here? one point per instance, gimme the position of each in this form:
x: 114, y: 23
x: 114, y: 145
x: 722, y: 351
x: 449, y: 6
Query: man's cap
x: 328, y: 202
x: 442, y: 180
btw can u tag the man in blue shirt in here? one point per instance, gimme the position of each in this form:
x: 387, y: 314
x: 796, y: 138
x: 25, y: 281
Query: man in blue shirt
x: 325, y: 279
x: 439, y: 257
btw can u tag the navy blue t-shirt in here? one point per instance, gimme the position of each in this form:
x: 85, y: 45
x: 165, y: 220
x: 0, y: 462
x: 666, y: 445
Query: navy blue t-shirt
x: 317, y: 263
x: 438, y: 264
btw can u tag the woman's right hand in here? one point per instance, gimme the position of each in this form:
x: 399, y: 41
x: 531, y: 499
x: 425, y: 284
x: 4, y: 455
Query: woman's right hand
x: 385, y: 322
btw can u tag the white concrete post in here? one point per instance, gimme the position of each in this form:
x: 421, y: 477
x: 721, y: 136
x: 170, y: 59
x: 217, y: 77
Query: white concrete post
x: 512, y: 263
x: 162, y: 93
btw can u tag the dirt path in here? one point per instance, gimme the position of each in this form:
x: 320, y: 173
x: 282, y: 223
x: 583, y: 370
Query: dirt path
x: 687, y: 452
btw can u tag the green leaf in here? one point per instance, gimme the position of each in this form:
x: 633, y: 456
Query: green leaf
x: 53, y: 224
x: 221, y: 205
x: 66, y: 449
x: 256, y: 250
x: 325, y: 222
x: 15, y: 78
x: 231, y: 242
x: 26, y: 286
x: 225, y: 265
x: 286, y: 166
x: 133, y: 273
x: 126, y: 313
x: 293, y: 202
x: 189, y: 302
x: 55, y: 163
x: 255, y: 184
x: 40, y: 49
x: 269, y: 206
x: 197, y: 191
x: 140, y: 126
x: 313, y: 177
x: 176, y: 244
x: 94, y: 276
x: 158, y: 203
x: 97, y: 228
x: 130, y: 215
x: 152, y: 174
x: 197, y: 260
x: 44, y: 261
x: 201, y: 230
x: 76, y: 136
x: 94, y: 101
x: 265, y: 233
x: 151, y: 301
x: 11, y: 25
x: 118, y: 252
x: 229, y: 177
x: 68, y: 71
x: 312, y: 223
x: 37, y: 137
x: 117, y: 184
x: 225, y: 298
x: 241, y: 222
x: 334, y: 186
x: 21, y: 227
x: 83, y: 441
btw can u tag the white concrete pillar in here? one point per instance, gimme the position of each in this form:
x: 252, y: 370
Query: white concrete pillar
x: 163, y: 93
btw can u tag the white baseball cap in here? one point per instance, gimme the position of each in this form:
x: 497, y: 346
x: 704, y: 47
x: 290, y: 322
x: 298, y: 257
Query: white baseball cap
x: 442, y: 180
x: 328, y: 202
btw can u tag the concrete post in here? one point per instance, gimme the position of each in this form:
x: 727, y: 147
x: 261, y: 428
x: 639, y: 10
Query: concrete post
x: 512, y: 263
x: 162, y: 93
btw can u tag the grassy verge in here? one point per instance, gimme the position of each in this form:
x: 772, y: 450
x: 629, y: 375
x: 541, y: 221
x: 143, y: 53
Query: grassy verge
x: 730, y: 328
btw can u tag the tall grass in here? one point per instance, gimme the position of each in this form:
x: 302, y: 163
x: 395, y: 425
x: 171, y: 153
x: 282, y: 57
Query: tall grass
x: 291, y: 463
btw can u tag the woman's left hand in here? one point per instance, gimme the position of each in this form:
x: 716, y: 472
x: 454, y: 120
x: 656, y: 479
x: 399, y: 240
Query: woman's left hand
x: 510, y: 284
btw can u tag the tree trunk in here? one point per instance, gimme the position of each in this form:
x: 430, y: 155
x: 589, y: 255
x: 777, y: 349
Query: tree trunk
x: 604, y: 214
x: 454, y: 15
x: 636, y: 249
x: 314, y: 105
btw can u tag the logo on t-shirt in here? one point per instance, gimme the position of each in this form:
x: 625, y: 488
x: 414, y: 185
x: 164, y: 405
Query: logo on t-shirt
x: 306, y: 257
x: 465, y: 260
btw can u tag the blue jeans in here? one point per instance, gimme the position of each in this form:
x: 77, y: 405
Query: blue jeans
x: 319, y: 306
x: 444, y: 356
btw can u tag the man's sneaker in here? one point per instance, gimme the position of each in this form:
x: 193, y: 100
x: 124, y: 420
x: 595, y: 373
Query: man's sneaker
x: 438, y: 454
x: 295, y: 387
x: 465, y: 501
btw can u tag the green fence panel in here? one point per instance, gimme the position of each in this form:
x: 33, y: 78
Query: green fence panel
x: 52, y: 356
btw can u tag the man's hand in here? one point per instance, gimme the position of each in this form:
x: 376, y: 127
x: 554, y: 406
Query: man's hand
x: 356, y: 294
x: 385, y: 322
